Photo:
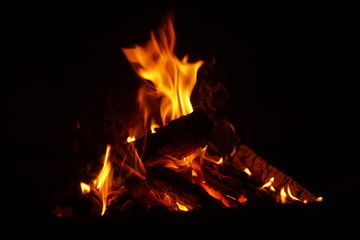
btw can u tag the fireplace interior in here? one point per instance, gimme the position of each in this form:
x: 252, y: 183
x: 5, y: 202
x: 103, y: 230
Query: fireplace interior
x: 289, y: 95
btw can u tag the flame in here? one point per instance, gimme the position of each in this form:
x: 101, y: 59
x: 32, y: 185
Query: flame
x: 290, y: 194
x: 283, y: 195
x: 247, y: 171
x: 216, y: 194
x: 130, y: 139
x: 103, y: 181
x: 85, y: 188
x: 168, y: 79
x: 269, y: 184
x: 182, y: 207
x: 153, y: 127
x: 220, y: 161
x: 166, y: 96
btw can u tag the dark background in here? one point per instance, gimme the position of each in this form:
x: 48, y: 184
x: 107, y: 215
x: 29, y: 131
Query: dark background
x: 288, y: 67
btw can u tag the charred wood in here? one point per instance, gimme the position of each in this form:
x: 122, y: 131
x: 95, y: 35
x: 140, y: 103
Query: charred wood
x: 263, y: 171
x: 178, y: 139
x: 167, y: 183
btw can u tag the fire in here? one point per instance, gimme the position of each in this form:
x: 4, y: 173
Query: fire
x: 269, y: 184
x: 247, y: 171
x: 168, y: 79
x: 284, y: 195
x: 103, y: 181
x: 182, y: 207
x: 166, y: 96
x: 85, y: 188
x: 130, y: 139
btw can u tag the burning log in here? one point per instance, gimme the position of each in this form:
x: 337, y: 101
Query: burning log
x: 170, y: 184
x: 178, y: 139
x: 246, y: 158
x: 234, y: 184
x: 194, y: 160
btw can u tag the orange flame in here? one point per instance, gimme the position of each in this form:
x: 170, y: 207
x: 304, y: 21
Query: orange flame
x: 166, y: 96
x: 103, y: 181
x: 168, y: 79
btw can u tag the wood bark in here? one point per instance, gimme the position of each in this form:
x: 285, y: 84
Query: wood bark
x: 262, y: 171
x: 178, y: 139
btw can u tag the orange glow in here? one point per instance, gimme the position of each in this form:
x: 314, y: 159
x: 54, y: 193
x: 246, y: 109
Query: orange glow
x: 137, y: 167
x: 242, y: 199
x: 215, y: 194
x: 168, y: 79
x: 319, y: 199
x: 103, y: 181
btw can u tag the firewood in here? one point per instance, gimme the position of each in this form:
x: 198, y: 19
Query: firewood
x: 265, y: 172
x: 178, y: 139
x: 167, y: 182
x: 231, y: 182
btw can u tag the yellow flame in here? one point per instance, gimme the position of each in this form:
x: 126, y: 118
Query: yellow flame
x: 268, y: 184
x: 283, y: 195
x: 103, y: 181
x: 247, y: 171
x: 130, y: 139
x: 85, y: 188
x: 153, y: 127
x: 171, y: 80
x: 290, y: 194
x: 182, y: 207
x: 220, y: 161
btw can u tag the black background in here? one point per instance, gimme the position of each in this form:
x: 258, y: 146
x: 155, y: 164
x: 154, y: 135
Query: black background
x: 288, y: 67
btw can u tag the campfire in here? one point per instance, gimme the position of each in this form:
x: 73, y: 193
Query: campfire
x: 176, y: 152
